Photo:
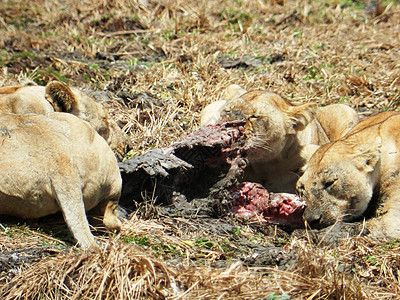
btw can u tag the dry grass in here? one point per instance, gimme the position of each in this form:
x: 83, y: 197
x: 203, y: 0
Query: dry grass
x: 309, y: 51
x: 357, y: 269
x: 322, y: 51
x: 131, y: 267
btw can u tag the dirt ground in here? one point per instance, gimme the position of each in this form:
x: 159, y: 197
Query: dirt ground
x: 154, y: 65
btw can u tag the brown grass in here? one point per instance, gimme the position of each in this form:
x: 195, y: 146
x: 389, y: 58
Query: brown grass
x: 322, y: 51
x: 358, y: 269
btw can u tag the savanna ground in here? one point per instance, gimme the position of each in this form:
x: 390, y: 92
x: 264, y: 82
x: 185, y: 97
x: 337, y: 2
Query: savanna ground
x: 160, y: 63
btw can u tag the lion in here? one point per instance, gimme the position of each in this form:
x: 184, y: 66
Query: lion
x: 57, y: 162
x: 58, y: 97
x: 281, y: 137
x: 357, y: 176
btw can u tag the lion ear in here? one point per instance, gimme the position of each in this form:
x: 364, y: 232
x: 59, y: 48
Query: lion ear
x: 367, y: 157
x: 300, y: 116
x: 233, y: 91
x: 60, y: 97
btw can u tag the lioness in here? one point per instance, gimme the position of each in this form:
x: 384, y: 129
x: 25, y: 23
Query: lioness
x: 280, y: 136
x: 58, y: 97
x: 343, y: 177
x: 57, y: 163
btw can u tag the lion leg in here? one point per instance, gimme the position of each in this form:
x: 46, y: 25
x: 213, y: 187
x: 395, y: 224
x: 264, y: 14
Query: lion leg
x: 387, y: 226
x: 70, y: 199
x: 387, y: 223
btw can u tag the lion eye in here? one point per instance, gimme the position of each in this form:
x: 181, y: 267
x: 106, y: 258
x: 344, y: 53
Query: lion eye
x: 329, y: 183
x: 254, y: 118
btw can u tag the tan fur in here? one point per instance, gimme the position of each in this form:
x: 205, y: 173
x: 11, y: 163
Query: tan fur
x: 58, y: 97
x: 343, y: 177
x: 57, y: 163
x: 9, y: 89
x: 280, y: 136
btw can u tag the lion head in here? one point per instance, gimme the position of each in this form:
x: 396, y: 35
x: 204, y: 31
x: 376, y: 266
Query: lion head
x: 338, y: 182
x: 59, y: 97
x: 271, y: 122
x: 74, y: 101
